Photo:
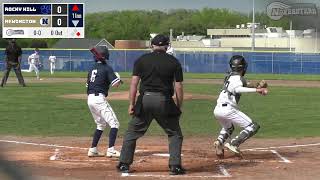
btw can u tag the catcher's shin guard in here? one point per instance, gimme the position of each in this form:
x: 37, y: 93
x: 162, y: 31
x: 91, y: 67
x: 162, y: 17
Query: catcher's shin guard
x: 225, y: 134
x: 245, y: 134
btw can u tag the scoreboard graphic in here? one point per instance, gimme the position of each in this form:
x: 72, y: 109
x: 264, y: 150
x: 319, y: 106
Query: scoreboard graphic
x: 43, y: 20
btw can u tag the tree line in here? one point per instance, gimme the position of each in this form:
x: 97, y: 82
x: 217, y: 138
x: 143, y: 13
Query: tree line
x: 138, y: 24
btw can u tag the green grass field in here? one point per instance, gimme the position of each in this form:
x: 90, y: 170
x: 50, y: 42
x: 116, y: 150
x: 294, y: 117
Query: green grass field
x: 36, y: 110
x: 302, y: 77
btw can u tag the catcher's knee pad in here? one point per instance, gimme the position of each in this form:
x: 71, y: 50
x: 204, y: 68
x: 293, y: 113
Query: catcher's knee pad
x: 225, y: 134
x: 253, y: 128
x: 245, y: 134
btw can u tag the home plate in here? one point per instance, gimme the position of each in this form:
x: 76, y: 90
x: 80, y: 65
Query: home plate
x: 163, y: 154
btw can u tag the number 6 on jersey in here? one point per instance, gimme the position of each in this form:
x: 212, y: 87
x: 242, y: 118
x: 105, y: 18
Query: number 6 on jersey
x: 93, y: 75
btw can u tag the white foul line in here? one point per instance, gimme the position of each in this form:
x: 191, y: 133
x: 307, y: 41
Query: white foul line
x: 285, y: 160
x: 280, y: 147
x: 41, y: 144
x: 54, y: 145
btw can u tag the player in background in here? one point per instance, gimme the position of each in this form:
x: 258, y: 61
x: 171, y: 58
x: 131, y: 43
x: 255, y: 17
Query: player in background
x: 171, y: 50
x: 34, y: 61
x: 227, y: 111
x: 52, y: 61
x: 100, y: 77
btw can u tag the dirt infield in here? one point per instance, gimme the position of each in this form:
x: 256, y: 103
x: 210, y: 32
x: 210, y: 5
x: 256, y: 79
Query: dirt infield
x: 262, y: 159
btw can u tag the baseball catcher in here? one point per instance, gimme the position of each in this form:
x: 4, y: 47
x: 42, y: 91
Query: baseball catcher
x: 227, y: 111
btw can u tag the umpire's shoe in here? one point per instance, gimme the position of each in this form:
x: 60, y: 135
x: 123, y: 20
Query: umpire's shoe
x: 123, y: 167
x: 177, y: 170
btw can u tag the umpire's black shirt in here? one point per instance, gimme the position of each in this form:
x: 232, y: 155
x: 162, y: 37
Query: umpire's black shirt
x: 158, y: 70
x: 13, y: 51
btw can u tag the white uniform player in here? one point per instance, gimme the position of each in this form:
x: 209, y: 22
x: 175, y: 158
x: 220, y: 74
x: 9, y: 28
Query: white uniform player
x: 34, y: 61
x: 171, y: 50
x: 52, y: 61
x: 227, y: 111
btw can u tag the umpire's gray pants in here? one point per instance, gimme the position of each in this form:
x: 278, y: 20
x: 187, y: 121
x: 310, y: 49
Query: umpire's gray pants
x: 154, y: 106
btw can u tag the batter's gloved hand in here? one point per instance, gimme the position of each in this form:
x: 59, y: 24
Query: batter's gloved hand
x: 262, y: 84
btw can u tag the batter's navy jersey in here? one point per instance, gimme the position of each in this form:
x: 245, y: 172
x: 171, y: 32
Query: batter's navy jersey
x: 100, y: 77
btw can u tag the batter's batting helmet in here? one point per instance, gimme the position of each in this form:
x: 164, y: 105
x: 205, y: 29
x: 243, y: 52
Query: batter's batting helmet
x: 101, y: 53
x: 238, y: 64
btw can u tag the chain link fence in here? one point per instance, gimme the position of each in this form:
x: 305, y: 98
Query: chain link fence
x: 191, y: 61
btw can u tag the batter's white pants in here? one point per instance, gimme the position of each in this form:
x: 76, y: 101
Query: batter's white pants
x: 52, y: 67
x: 32, y: 67
x: 228, y: 115
x: 102, y: 112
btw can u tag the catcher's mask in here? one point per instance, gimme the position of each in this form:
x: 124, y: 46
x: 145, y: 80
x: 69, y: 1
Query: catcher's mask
x: 238, y: 64
x: 101, y: 53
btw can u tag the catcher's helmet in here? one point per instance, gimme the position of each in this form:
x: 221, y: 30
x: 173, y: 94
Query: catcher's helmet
x: 238, y: 64
x: 101, y: 53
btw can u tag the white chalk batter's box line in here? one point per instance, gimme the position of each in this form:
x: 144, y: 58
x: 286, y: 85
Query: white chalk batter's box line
x: 223, y: 174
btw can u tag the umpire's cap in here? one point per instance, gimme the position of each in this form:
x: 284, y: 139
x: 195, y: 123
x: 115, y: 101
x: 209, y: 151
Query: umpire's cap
x: 160, y: 40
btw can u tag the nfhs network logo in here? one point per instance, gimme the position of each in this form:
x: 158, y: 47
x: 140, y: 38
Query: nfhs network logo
x: 44, y: 21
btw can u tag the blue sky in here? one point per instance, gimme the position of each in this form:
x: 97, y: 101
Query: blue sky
x: 164, y: 5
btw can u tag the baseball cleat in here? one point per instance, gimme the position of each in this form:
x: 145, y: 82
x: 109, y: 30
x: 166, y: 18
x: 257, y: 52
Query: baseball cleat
x: 177, y: 170
x: 233, y: 148
x: 111, y: 152
x: 218, y: 146
x: 93, y: 152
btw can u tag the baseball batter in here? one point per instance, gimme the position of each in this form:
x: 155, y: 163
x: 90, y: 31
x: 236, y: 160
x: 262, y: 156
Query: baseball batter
x: 227, y: 111
x: 52, y: 61
x: 34, y: 61
x: 100, y: 77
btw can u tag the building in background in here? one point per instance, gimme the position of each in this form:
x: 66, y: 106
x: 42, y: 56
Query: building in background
x: 240, y: 38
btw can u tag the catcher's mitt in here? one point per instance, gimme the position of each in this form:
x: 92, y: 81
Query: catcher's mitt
x: 262, y: 84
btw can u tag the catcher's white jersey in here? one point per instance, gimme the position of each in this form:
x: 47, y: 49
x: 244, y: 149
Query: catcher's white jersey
x: 228, y: 94
x: 226, y: 110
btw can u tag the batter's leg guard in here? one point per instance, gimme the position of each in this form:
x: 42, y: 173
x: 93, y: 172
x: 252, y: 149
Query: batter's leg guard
x: 225, y: 134
x: 245, y: 134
